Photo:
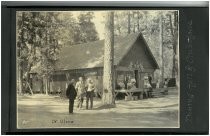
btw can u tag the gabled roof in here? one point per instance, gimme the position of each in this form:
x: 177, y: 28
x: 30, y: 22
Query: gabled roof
x: 90, y: 55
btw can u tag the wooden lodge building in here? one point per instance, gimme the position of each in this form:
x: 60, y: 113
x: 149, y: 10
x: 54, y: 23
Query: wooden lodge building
x: 132, y: 59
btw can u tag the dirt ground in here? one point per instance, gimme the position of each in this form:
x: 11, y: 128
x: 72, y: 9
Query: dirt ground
x: 41, y: 111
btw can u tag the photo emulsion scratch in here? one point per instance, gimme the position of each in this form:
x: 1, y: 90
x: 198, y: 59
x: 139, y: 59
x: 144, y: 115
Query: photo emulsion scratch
x: 98, y: 69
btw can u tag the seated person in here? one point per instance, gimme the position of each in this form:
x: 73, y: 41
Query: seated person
x: 59, y: 90
x: 146, y: 82
x: 158, y: 84
x: 147, y: 86
x: 120, y: 85
x: 132, y: 84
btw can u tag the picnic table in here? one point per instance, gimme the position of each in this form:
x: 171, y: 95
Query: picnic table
x: 129, y: 92
x: 155, y: 92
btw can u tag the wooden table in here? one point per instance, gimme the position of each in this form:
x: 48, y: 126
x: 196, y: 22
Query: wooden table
x: 130, y: 92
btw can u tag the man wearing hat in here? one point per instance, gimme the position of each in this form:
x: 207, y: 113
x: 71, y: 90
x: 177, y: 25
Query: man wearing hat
x: 71, y: 94
x: 80, y: 88
x: 90, y: 93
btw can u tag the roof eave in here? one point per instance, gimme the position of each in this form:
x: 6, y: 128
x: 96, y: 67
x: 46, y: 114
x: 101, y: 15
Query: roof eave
x: 157, y: 66
x: 117, y: 63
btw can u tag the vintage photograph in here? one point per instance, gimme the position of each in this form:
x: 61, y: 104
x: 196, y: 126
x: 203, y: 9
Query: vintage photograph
x: 98, y: 69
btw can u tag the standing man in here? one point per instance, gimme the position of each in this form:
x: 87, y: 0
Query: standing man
x: 147, y: 86
x: 71, y: 94
x: 80, y: 88
x: 90, y: 93
x: 126, y: 82
x: 150, y: 87
x: 165, y: 84
x: 150, y: 79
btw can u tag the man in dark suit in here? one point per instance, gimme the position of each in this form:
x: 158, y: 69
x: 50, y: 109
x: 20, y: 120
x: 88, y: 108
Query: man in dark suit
x: 71, y: 94
x: 150, y: 79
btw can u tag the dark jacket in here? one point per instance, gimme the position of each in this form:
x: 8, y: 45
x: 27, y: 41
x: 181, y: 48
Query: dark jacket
x: 71, y: 92
x: 150, y: 80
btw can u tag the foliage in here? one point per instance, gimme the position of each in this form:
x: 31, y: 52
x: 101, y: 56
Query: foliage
x: 40, y: 36
x: 37, y: 41
x: 87, y: 27
x: 147, y: 22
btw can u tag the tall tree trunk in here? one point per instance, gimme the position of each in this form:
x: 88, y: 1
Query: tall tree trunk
x: 46, y: 89
x: 174, y: 33
x: 29, y: 86
x: 134, y: 27
x: 134, y: 23
x: 117, y: 25
x: 108, y: 72
x: 46, y: 85
x: 175, y: 48
x: 138, y: 19
x: 129, y: 22
x: 161, y: 49
x: 20, y: 76
x: 19, y: 72
x: 171, y: 26
x: 29, y: 82
x: 19, y: 62
x: 27, y: 77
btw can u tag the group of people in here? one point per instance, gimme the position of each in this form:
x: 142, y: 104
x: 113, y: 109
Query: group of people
x: 79, y: 90
x: 149, y: 85
x: 148, y: 82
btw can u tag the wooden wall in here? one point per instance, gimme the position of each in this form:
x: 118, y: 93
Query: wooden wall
x: 61, y: 79
x: 138, y: 54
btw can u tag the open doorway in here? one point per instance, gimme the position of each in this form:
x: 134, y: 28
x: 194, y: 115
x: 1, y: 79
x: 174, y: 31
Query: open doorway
x: 136, y: 74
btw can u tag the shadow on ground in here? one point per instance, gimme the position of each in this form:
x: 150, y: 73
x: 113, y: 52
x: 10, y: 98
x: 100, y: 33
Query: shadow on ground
x: 52, y: 112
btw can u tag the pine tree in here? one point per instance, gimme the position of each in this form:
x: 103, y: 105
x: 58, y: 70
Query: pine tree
x: 174, y: 32
x: 87, y: 30
x: 108, y: 79
x: 161, y: 48
x: 37, y: 44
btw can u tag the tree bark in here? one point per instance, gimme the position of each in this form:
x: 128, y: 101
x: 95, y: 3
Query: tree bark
x: 31, y: 91
x: 138, y: 19
x: 108, y: 71
x: 118, y: 27
x: 19, y: 61
x: 19, y: 72
x: 20, y: 76
x: 174, y: 33
x: 28, y: 77
x: 161, y: 49
x: 134, y: 23
x: 46, y: 85
x: 171, y: 26
x: 175, y: 48
x: 129, y: 22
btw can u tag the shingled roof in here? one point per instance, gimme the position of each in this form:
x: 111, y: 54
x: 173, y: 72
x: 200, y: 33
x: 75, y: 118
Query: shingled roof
x: 90, y: 55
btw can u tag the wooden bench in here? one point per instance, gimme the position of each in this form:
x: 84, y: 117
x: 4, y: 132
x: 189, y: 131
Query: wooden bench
x: 129, y: 93
x: 159, y: 92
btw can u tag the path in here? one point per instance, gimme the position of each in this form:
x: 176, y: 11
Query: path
x: 40, y: 111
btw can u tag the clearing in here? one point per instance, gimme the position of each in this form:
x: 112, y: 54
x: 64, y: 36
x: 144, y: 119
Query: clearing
x: 41, y: 111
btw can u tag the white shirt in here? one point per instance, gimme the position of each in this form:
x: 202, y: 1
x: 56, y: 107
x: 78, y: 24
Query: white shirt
x: 90, y: 86
x: 80, y: 86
